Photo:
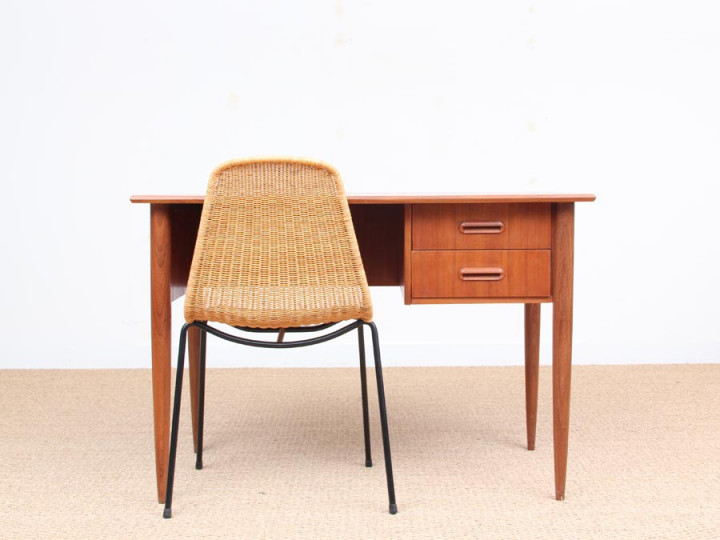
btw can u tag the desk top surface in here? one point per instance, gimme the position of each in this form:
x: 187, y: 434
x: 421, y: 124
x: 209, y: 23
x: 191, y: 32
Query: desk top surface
x: 403, y: 198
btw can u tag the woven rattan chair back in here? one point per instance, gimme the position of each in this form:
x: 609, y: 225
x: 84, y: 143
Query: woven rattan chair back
x: 276, y: 248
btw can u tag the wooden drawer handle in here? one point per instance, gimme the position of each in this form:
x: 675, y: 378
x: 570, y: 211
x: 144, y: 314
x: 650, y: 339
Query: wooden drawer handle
x: 482, y: 274
x: 482, y: 227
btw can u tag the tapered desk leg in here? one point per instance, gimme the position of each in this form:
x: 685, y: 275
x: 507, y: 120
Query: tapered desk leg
x: 562, y: 289
x: 160, y: 322
x: 532, y: 366
x: 194, y: 364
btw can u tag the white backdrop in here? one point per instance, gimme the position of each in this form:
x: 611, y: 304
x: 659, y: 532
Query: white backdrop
x: 102, y: 100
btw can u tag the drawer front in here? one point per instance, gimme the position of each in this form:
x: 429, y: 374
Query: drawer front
x: 481, y: 226
x: 481, y: 274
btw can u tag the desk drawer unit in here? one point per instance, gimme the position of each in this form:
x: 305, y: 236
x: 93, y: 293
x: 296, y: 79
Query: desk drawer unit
x: 481, y: 226
x: 478, y: 252
x: 488, y: 273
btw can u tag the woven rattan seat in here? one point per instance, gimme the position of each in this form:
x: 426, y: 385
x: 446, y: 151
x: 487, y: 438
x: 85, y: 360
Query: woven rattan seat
x: 276, y: 248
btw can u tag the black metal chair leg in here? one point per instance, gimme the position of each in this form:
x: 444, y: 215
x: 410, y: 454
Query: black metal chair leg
x: 167, y: 513
x: 201, y: 400
x: 383, y: 418
x: 363, y: 385
x: 205, y: 329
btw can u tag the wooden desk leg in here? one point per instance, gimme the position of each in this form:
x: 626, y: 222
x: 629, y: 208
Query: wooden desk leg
x: 160, y: 323
x: 562, y: 289
x: 194, y: 363
x: 532, y: 366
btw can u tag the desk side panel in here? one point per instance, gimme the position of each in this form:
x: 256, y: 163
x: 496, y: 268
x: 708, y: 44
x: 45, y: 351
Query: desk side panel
x: 184, y: 224
x: 380, y: 234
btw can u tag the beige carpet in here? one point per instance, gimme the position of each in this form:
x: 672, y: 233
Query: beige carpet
x: 284, y: 456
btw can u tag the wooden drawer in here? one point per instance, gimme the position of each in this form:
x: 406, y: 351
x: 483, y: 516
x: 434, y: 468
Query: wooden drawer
x: 481, y: 226
x: 474, y: 274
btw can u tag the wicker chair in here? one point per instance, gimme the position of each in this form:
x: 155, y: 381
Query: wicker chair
x: 276, y: 252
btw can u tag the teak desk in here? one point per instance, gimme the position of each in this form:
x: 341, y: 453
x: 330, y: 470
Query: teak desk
x: 442, y: 249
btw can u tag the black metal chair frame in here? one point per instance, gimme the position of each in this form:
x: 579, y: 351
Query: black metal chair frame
x: 279, y: 344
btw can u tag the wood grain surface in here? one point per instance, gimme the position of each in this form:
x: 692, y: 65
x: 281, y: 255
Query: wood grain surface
x: 562, y: 284
x: 459, y: 226
x: 160, y: 270
x: 403, y: 198
x: 437, y: 274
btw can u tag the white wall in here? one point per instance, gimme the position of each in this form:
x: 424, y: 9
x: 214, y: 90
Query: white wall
x: 102, y: 100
